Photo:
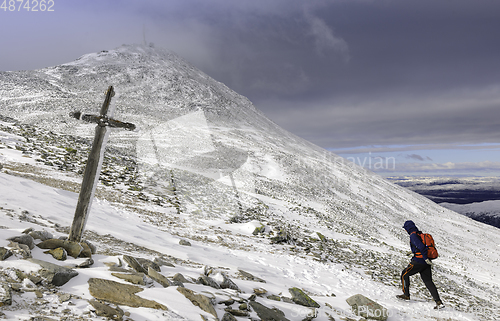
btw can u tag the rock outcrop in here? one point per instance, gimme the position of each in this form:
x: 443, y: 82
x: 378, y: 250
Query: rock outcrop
x: 120, y: 293
x: 299, y: 297
x: 367, y: 308
x: 200, y: 300
x: 267, y: 314
x: 72, y: 248
x: 53, y: 273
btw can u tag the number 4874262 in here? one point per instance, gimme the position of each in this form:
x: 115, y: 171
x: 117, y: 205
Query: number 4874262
x: 27, y: 5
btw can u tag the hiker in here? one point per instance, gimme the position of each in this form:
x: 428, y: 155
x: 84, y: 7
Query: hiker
x: 419, y: 263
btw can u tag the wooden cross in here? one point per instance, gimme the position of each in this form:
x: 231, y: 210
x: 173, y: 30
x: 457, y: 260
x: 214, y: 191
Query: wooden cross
x: 94, y: 163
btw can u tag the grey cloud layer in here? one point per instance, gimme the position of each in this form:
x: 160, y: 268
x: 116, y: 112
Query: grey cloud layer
x: 341, y: 74
x: 456, y: 116
x: 444, y: 168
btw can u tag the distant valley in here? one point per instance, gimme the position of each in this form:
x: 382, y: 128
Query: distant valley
x: 475, y: 197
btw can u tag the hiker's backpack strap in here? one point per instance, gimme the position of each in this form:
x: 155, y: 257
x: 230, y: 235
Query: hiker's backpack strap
x: 417, y: 252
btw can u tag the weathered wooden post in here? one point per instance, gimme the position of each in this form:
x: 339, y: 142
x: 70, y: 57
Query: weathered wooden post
x: 94, y: 163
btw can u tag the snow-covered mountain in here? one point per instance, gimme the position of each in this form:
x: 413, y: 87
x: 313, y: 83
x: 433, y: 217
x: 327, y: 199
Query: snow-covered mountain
x: 457, y: 190
x: 205, y: 165
x: 487, y: 212
x: 475, y: 197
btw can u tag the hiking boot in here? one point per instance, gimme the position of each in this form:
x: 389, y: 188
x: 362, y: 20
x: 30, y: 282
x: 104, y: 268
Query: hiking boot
x: 403, y: 297
x: 439, y: 305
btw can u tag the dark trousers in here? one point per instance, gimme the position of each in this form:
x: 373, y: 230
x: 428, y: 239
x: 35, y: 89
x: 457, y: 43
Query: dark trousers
x: 426, y: 275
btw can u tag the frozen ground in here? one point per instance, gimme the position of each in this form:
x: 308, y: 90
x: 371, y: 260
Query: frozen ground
x: 45, y: 207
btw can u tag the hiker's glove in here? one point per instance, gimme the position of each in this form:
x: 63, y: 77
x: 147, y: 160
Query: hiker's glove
x: 429, y: 262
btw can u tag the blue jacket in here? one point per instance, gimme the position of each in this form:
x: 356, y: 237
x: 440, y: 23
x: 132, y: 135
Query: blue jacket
x: 416, y: 244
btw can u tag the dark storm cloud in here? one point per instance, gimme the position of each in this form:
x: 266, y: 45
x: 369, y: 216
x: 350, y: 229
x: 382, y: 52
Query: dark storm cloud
x: 465, y: 117
x: 418, y: 74
x: 354, y: 73
x: 260, y: 48
x: 340, y: 73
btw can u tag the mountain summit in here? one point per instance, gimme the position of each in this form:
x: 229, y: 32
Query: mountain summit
x: 215, y: 157
x: 151, y: 84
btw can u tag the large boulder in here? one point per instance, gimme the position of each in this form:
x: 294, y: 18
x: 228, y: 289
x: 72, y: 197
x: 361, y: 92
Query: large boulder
x: 247, y: 276
x: 158, y: 277
x: 299, y: 297
x: 162, y: 262
x: 55, y: 274
x: 208, y: 281
x: 267, y: 314
x: 238, y: 313
x: 20, y: 249
x: 106, y: 311
x: 24, y: 239
x: 179, y: 278
x: 227, y: 283
x: 119, y: 293
x: 136, y: 278
x: 41, y: 235
x: 228, y: 317
x: 200, y: 300
x: 72, y: 248
x: 148, y: 264
x: 141, y: 265
x: 58, y: 253
x: 369, y: 309
x: 87, y: 251
x: 85, y: 264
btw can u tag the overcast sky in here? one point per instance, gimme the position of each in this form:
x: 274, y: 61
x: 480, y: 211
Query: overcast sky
x: 415, y: 80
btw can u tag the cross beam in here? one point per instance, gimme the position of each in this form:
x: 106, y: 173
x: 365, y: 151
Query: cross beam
x: 94, y: 163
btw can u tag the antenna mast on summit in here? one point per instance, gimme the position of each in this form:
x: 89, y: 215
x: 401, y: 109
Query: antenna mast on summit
x: 144, y: 35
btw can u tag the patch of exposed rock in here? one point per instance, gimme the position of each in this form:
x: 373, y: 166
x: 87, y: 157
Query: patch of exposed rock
x: 299, y: 297
x: 267, y: 314
x: 53, y: 273
x: 120, y: 293
x: 200, y: 300
x: 367, y: 308
x: 72, y: 248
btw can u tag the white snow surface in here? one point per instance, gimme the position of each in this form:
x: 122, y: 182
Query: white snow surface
x: 487, y: 212
x: 228, y: 161
x: 277, y: 265
x: 487, y: 207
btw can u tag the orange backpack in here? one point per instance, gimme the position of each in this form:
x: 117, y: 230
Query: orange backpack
x: 428, y: 241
